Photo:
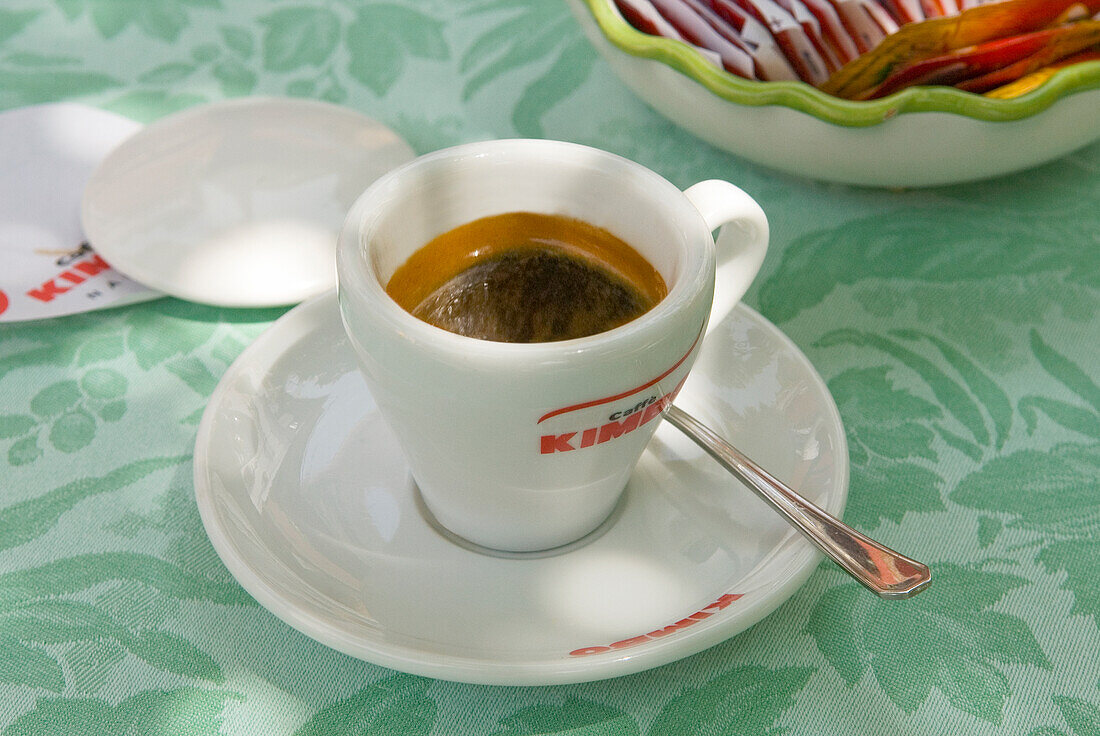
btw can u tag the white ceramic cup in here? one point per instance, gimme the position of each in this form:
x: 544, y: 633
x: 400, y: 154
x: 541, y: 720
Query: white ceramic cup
x: 524, y: 447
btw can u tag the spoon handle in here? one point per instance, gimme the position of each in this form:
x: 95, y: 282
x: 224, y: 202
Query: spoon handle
x: 882, y: 570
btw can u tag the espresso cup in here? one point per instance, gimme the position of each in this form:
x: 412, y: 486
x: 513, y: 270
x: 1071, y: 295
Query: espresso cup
x: 525, y: 447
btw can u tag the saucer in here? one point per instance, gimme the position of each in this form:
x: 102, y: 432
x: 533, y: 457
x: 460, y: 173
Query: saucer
x: 306, y: 497
x: 237, y: 203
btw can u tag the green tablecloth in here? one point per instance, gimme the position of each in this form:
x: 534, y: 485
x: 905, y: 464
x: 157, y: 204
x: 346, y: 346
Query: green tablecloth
x: 957, y: 328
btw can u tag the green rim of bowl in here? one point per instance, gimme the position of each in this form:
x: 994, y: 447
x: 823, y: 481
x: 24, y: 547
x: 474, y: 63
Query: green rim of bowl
x: 804, y: 98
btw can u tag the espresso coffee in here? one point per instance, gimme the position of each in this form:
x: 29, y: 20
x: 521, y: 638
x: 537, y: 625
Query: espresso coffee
x: 527, y: 277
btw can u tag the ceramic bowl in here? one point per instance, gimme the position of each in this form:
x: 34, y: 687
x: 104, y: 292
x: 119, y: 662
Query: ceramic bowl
x: 922, y: 136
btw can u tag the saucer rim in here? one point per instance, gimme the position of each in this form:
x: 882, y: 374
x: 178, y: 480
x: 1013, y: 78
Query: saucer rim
x: 803, y: 558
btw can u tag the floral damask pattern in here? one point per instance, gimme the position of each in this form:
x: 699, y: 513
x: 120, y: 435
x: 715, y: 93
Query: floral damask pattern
x: 956, y: 329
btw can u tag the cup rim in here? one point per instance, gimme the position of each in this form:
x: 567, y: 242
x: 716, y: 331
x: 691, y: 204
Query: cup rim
x: 356, y: 278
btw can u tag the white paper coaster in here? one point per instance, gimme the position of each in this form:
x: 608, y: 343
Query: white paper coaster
x: 237, y: 203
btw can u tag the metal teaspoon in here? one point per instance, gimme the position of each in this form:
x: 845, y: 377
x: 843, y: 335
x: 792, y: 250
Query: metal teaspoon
x: 880, y: 569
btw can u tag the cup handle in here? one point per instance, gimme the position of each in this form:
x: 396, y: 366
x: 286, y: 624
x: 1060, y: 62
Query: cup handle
x: 740, y: 246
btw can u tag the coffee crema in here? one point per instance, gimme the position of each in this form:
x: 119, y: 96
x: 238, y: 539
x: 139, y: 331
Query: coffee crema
x: 527, y: 277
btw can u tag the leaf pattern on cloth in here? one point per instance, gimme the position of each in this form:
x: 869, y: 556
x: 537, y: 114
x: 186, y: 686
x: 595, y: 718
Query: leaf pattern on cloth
x: 29, y: 86
x: 36, y: 617
x: 955, y: 327
x: 153, y: 712
x: 67, y: 414
x: 964, y: 643
x: 575, y: 717
x: 998, y: 271
x: 529, y: 33
x: 1081, y: 716
x: 745, y: 700
x: 164, y: 20
x: 1052, y: 492
x: 384, y: 36
x: 298, y: 36
x: 397, y: 704
x: 1056, y: 496
x: 25, y: 521
x: 14, y: 21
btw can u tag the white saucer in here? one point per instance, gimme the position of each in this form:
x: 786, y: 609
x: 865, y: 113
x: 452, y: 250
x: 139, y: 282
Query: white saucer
x: 237, y: 203
x: 305, y: 495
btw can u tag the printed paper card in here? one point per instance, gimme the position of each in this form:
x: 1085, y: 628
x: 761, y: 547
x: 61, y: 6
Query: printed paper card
x: 47, y: 267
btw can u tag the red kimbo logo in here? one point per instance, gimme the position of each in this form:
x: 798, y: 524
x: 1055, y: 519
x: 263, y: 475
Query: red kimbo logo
x: 680, y: 625
x: 67, y: 279
x: 620, y: 422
